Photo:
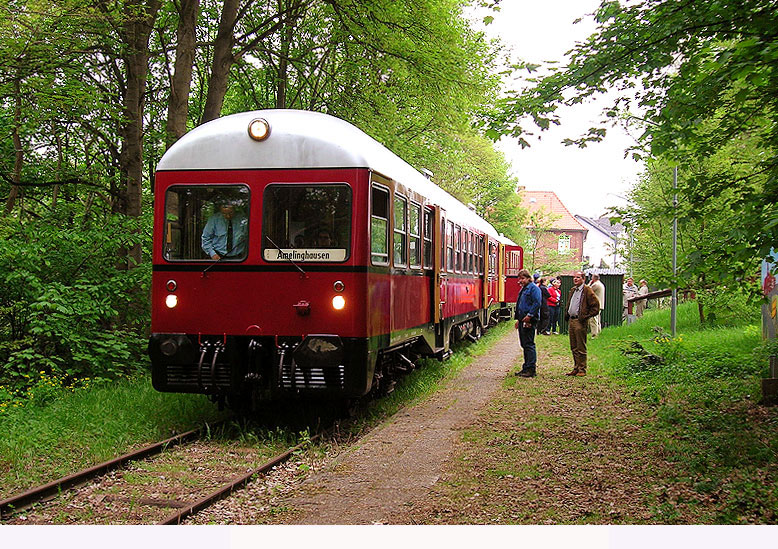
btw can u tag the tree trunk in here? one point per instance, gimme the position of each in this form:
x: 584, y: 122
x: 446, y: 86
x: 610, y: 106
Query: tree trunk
x: 18, y: 151
x: 55, y: 190
x: 178, y: 106
x: 136, y: 33
x: 223, y: 60
x: 283, y: 63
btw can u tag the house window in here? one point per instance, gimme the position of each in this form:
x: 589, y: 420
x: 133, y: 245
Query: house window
x: 564, y: 244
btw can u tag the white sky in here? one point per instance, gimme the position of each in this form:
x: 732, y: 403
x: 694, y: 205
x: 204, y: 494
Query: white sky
x: 582, y: 178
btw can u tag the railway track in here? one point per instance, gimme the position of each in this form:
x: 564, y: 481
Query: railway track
x: 44, y: 492
x: 227, y: 488
x: 184, y: 503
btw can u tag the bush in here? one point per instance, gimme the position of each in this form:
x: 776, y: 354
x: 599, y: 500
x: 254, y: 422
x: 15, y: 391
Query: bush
x: 66, y: 311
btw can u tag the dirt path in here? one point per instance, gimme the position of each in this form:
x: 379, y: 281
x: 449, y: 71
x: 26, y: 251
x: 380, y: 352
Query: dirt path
x: 401, y: 461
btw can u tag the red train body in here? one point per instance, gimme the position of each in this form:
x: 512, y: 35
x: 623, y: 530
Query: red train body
x: 310, y: 260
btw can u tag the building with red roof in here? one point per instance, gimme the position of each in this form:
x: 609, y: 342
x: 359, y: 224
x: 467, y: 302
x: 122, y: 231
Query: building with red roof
x: 552, y: 229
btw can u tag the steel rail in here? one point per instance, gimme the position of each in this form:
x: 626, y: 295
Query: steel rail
x: 235, y: 484
x: 15, y: 503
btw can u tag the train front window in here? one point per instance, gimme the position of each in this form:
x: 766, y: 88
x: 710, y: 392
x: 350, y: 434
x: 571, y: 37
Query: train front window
x: 206, y: 222
x: 310, y: 222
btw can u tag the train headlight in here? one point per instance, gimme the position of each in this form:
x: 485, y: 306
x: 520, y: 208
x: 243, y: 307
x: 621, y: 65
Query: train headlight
x: 259, y: 129
x: 338, y: 302
x: 171, y: 300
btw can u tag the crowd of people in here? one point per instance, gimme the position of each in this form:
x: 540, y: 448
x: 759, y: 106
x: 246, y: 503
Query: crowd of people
x: 538, y: 312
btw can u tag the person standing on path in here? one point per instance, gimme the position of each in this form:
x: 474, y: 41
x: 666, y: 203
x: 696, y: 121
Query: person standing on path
x: 544, y: 311
x: 582, y: 305
x: 553, y: 305
x: 527, y: 316
x: 595, y: 323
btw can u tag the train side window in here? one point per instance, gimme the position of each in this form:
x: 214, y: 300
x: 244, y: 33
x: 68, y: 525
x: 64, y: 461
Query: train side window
x: 457, y: 248
x: 470, y: 253
x: 428, y: 222
x: 481, y: 254
x: 400, y: 231
x: 379, y: 227
x: 450, y: 245
x: 465, y: 250
x: 469, y: 257
x: 414, y: 234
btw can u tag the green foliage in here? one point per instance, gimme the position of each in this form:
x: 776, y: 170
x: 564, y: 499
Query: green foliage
x: 699, y: 79
x: 62, y: 299
x: 414, y: 75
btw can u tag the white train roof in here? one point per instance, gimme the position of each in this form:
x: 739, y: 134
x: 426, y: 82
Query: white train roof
x: 304, y: 139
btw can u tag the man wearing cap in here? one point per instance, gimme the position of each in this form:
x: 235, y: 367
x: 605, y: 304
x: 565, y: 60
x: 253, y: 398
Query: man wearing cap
x: 582, y: 305
x: 224, y: 235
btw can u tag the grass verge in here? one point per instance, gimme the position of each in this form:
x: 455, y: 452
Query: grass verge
x: 47, y: 441
x: 703, y: 387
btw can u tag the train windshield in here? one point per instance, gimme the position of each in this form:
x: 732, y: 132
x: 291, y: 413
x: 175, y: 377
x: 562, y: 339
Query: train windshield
x: 206, y: 222
x: 309, y: 222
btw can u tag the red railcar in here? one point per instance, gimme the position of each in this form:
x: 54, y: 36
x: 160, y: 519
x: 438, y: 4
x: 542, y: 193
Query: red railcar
x: 293, y: 254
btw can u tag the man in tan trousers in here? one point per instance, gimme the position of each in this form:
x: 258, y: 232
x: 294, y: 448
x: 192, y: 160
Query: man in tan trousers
x: 582, y: 305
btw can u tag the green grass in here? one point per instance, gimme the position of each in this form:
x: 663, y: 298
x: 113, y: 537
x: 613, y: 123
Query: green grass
x: 43, y: 442
x: 704, y: 387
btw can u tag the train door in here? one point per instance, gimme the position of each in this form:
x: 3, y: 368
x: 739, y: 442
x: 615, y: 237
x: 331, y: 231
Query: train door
x: 513, y: 263
x: 485, y: 263
x: 500, y: 272
x: 439, y: 275
x: 492, y: 272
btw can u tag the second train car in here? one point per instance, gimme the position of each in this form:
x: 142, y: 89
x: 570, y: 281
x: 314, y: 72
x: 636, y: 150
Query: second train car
x: 295, y: 255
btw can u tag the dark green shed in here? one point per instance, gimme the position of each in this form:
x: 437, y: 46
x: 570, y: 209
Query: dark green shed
x: 613, y: 279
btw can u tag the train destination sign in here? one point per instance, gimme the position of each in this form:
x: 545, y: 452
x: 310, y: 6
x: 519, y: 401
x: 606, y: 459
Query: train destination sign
x: 301, y: 255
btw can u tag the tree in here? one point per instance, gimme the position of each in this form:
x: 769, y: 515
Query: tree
x: 703, y: 230
x: 678, y: 65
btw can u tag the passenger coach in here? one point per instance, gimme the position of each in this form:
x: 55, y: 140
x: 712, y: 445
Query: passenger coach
x: 293, y: 254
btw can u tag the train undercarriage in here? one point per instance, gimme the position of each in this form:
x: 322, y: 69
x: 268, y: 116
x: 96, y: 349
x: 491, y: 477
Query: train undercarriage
x: 238, y: 369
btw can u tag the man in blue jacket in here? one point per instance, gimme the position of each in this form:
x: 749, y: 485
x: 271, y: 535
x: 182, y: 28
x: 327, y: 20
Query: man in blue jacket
x: 527, y: 316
